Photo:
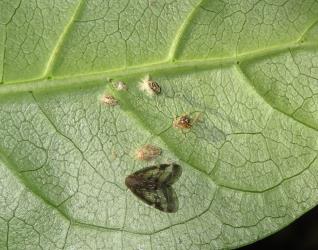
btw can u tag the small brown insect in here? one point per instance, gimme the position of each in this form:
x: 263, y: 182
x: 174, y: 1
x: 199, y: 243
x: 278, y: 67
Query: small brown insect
x: 182, y: 122
x: 149, y: 86
x: 148, y: 152
x: 109, y: 100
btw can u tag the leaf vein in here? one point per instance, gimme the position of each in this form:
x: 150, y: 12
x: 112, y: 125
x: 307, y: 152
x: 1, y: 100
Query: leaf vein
x: 182, y: 29
x: 16, y: 87
x: 56, y: 50
x: 244, y: 76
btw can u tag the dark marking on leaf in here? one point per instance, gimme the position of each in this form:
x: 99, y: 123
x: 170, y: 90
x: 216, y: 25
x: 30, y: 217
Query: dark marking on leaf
x: 153, y: 185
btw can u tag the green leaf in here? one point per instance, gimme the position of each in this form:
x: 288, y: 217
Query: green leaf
x: 245, y: 71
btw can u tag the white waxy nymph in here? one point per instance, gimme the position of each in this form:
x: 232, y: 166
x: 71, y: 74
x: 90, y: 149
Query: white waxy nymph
x: 149, y: 86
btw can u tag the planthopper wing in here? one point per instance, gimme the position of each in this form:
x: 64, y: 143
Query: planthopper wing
x: 165, y: 199
x: 153, y: 186
x: 154, y: 177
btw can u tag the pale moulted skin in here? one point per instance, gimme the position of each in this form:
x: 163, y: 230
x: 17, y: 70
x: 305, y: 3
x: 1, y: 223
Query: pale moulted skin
x: 148, y: 152
x: 109, y: 100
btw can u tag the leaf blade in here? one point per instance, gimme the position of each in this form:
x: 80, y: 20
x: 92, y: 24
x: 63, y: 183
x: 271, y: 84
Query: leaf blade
x: 250, y: 160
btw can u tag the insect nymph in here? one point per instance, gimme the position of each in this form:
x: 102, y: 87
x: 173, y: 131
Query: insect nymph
x: 153, y: 185
x: 149, y: 86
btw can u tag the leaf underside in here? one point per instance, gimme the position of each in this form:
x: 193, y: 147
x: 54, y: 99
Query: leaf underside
x: 249, y: 68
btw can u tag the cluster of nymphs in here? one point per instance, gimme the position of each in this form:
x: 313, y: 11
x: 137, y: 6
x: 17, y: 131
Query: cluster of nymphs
x: 110, y: 100
x: 153, y: 184
x: 151, y: 88
x: 147, y: 85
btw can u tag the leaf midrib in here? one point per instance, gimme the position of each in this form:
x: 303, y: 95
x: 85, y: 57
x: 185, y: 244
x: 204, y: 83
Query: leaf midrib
x: 40, y: 84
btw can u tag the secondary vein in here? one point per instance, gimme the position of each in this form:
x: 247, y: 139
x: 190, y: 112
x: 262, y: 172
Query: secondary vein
x: 54, y: 55
x: 176, y: 42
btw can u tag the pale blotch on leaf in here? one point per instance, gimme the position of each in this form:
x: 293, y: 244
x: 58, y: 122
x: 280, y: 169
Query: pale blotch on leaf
x: 149, y: 86
x: 121, y: 86
x: 148, y: 152
x: 153, y: 185
x: 109, y: 100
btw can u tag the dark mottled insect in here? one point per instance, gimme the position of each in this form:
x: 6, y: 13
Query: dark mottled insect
x: 153, y: 185
x: 182, y: 122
